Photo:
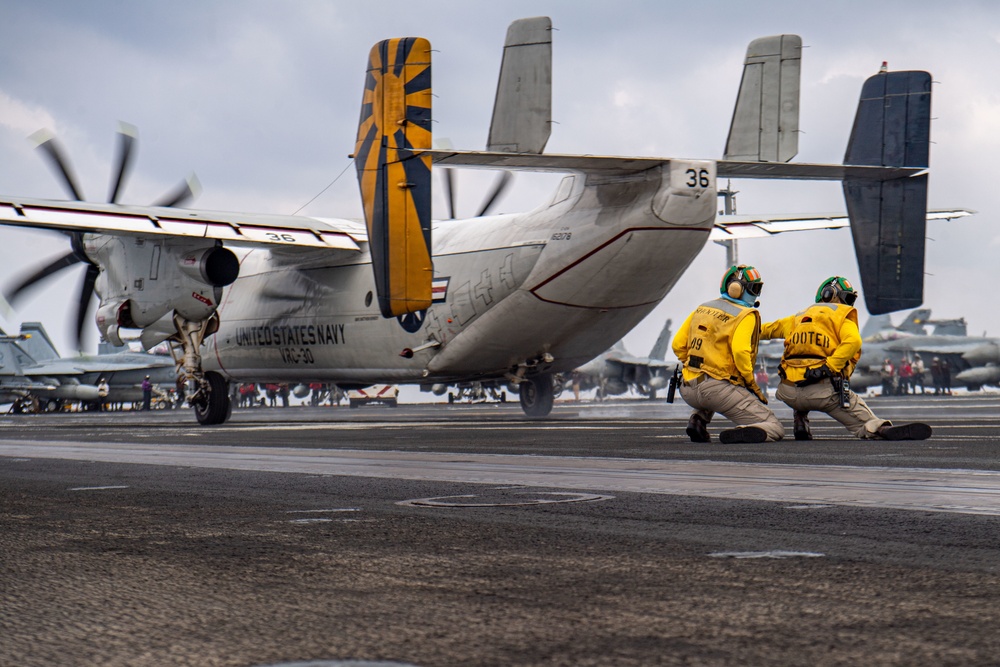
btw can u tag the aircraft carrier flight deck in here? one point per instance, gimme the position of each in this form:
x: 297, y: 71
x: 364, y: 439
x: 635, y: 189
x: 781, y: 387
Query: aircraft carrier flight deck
x: 470, y: 535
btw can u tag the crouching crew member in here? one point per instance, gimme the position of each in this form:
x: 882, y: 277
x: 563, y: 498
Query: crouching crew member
x: 822, y: 347
x: 718, y: 346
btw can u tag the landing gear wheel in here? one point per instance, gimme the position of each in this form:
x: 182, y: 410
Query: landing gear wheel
x: 214, y: 408
x: 537, y: 395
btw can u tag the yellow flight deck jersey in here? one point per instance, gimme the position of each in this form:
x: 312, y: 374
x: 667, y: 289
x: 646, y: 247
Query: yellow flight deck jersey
x: 719, y: 339
x: 824, y: 333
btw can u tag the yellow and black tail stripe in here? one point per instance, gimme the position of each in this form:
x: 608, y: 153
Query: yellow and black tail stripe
x: 396, y: 184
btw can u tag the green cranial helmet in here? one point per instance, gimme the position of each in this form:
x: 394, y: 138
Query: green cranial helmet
x: 839, y: 288
x: 748, y: 278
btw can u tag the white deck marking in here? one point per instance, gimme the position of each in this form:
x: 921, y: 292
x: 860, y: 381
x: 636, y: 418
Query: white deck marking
x: 96, y: 488
x: 766, y: 554
x: 924, y: 489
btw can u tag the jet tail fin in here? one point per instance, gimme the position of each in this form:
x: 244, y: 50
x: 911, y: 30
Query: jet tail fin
x: 522, y: 110
x: 915, y: 321
x: 395, y: 183
x: 875, y: 324
x: 38, y: 344
x: 659, y: 351
x: 765, y: 125
x: 889, y: 217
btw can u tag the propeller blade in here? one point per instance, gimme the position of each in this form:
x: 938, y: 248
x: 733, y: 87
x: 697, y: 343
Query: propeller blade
x: 127, y: 136
x: 182, y: 194
x: 51, y: 149
x: 449, y: 192
x: 498, y: 187
x: 86, y: 294
x: 66, y: 261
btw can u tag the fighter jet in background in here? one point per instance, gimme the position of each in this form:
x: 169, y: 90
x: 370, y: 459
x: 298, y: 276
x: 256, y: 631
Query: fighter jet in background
x: 616, y: 371
x: 947, y: 341
x: 33, y: 377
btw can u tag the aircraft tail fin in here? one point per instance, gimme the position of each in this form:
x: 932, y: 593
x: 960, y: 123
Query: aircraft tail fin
x: 915, y: 321
x: 38, y: 345
x: 659, y: 351
x: 765, y: 124
x: 522, y: 110
x: 875, y: 324
x: 396, y: 183
x: 889, y: 217
x: 9, y: 356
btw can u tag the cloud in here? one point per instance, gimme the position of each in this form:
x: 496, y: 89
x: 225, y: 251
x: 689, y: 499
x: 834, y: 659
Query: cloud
x: 261, y: 100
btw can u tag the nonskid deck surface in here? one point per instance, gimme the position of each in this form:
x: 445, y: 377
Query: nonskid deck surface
x: 467, y: 534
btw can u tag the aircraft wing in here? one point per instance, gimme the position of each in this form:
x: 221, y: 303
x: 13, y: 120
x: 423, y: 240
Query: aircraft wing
x: 640, y: 361
x: 728, y: 227
x: 236, y: 229
x: 961, y: 348
x: 72, y: 366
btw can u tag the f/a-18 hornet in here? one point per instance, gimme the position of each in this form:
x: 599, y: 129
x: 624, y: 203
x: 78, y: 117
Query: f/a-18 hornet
x: 515, y: 297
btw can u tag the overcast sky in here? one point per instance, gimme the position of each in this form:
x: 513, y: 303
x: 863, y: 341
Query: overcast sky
x: 261, y: 101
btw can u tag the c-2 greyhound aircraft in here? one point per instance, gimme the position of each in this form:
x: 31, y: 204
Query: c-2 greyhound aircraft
x: 518, y: 297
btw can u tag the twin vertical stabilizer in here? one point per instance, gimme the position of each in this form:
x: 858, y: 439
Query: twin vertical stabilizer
x: 395, y: 183
x: 522, y: 110
x: 765, y: 125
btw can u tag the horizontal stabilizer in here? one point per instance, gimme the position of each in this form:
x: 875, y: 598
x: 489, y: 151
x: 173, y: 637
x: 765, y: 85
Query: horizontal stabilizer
x: 765, y: 123
x: 522, y: 111
x: 610, y: 165
x: 729, y: 227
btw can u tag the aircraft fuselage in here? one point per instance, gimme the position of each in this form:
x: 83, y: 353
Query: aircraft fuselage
x: 562, y: 282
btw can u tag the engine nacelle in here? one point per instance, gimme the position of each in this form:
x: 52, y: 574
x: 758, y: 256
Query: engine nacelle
x: 216, y: 266
x: 144, y: 280
x: 108, y: 321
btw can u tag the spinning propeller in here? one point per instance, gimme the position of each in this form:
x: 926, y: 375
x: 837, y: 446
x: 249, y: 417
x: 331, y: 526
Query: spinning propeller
x: 499, y: 185
x: 49, y: 147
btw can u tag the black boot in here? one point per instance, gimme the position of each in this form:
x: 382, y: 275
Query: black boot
x: 800, y: 425
x: 914, y: 431
x: 697, y: 429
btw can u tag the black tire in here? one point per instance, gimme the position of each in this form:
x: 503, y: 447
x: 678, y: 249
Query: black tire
x: 537, y: 396
x: 392, y: 402
x: 352, y: 403
x: 216, y: 407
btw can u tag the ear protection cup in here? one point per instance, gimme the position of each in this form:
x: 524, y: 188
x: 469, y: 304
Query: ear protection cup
x: 734, y: 289
x: 836, y: 288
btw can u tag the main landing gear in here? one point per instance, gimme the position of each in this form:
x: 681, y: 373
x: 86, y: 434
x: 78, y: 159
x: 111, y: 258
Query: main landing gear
x: 537, y: 394
x: 207, y: 392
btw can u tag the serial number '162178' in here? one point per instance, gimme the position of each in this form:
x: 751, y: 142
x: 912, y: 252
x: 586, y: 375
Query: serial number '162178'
x: 296, y: 355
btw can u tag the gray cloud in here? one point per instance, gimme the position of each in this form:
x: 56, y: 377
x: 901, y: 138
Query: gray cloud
x: 261, y: 99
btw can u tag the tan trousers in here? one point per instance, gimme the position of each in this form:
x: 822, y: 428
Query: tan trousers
x: 738, y: 404
x: 858, y: 418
